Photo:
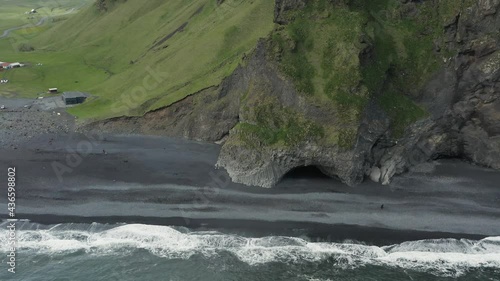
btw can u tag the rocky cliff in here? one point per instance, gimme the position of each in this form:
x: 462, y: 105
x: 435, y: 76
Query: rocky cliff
x: 359, y: 90
x: 461, y: 96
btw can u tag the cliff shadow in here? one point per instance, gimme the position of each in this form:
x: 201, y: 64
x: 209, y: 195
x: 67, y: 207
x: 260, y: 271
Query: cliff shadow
x: 305, y: 172
x: 309, y: 177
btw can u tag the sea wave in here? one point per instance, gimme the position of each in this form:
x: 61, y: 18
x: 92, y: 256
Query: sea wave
x: 448, y: 257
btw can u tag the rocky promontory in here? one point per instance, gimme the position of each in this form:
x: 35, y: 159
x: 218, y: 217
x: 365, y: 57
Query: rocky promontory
x: 358, y: 90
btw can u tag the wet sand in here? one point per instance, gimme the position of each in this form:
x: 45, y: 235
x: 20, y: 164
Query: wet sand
x: 156, y: 180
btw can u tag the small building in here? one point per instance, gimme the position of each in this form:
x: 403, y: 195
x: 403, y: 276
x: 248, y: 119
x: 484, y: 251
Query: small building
x: 8, y: 65
x: 53, y: 91
x: 70, y: 98
x: 15, y: 65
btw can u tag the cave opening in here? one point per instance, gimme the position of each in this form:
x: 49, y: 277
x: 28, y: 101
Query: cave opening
x: 310, y: 177
x: 305, y: 172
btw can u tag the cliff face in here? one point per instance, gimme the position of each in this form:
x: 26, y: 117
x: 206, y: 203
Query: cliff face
x: 357, y: 89
x: 280, y: 129
x: 461, y: 97
x: 456, y: 87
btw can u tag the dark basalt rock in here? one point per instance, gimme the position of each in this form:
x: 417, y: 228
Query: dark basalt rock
x: 462, y: 99
x: 283, y: 7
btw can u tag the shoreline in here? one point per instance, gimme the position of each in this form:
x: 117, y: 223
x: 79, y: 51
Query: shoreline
x: 315, y: 232
x: 155, y: 179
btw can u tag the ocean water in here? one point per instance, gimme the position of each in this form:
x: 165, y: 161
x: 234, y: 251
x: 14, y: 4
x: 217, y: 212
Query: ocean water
x: 148, y: 252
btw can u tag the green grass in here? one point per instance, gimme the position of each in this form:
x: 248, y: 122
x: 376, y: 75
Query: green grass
x: 276, y: 126
x: 11, y: 17
x: 320, y: 51
x: 27, y: 82
x: 403, y: 43
x: 404, y: 53
x: 58, y: 70
x: 12, y: 12
x: 110, y: 53
x: 401, y: 110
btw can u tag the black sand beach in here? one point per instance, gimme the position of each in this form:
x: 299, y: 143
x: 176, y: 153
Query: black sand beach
x: 155, y: 180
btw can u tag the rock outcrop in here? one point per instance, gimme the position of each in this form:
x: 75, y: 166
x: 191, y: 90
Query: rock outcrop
x: 282, y: 8
x: 204, y: 116
x: 462, y: 99
x: 252, y: 161
x: 269, y: 125
x: 104, y: 5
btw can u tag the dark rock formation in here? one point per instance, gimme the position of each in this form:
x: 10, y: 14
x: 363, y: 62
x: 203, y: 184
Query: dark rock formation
x: 283, y: 7
x: 205, y: 116
x: 461, y: 99
x: 263, y: 165
x: 105, y: 5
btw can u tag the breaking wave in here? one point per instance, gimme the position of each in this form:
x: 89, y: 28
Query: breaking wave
x: 445, y: 257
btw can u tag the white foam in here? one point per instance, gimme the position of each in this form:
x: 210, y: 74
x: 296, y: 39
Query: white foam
x: 494, y: 238
x: 448, y: 257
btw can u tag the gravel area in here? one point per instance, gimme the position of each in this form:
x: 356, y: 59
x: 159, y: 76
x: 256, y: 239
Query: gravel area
x: 17, y: 126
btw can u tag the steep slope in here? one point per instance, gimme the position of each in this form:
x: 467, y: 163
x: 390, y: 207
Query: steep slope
x: 148, y: 54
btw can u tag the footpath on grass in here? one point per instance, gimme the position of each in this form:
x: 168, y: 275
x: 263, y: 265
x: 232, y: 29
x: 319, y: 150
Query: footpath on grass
x: 42, y: 21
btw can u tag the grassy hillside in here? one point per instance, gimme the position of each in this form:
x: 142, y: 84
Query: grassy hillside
x: 188, y: 45
x: 12, y: 12
x: 27, y: 82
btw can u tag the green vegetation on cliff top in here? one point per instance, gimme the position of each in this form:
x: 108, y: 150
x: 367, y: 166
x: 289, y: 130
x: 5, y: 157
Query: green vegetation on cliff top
x: 277, y: 126
x: 405, y: 39
x: 348, y: 52
x: 360, y: 49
